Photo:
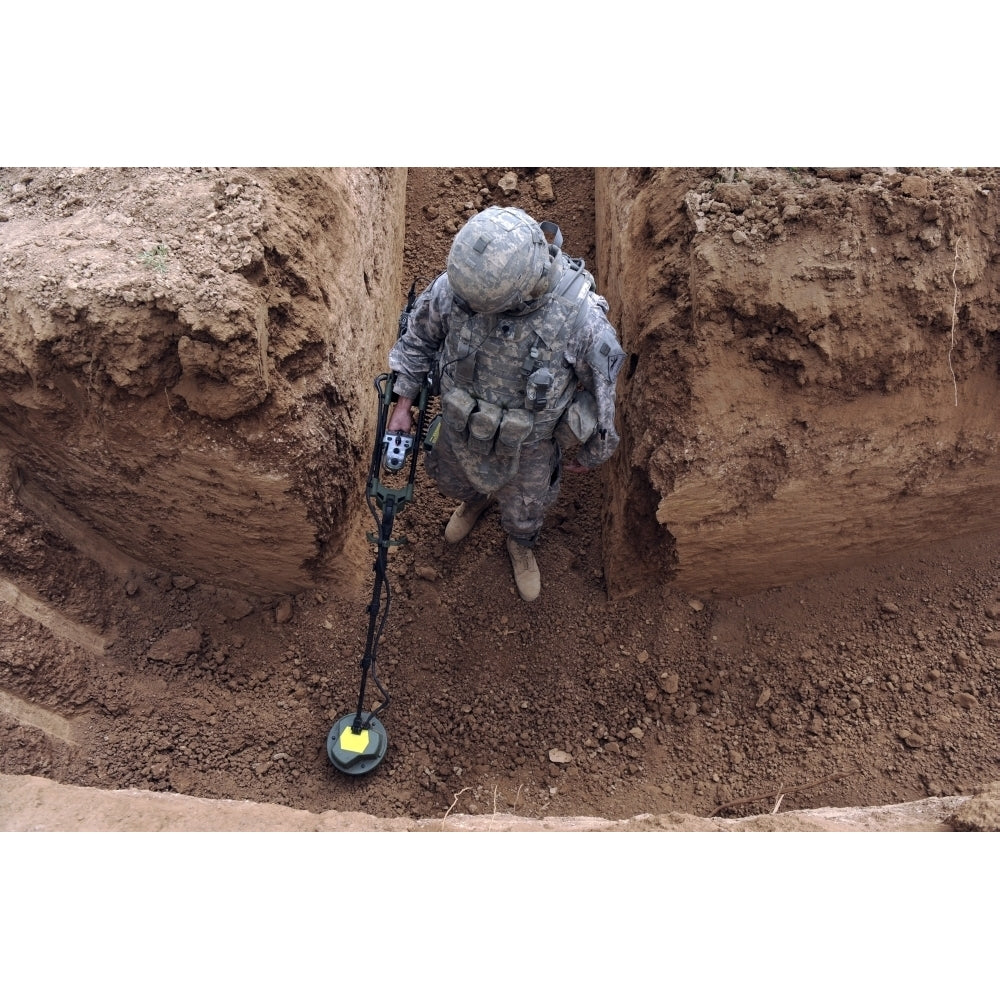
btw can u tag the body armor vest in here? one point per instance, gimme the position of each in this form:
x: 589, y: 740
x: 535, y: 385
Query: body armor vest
x: 507, y: 379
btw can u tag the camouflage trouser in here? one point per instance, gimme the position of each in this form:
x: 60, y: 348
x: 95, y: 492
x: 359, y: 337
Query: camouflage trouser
x: 522, y: 502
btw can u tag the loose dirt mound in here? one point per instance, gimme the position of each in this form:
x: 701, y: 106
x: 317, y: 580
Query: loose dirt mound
x: 871, y: 686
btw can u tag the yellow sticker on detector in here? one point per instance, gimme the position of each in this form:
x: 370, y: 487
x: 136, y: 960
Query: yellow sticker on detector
x: 355, y: 742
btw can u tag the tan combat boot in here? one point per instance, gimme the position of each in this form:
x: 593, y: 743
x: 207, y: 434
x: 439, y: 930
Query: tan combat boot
x: 464, y: 518
x: 526, y: 575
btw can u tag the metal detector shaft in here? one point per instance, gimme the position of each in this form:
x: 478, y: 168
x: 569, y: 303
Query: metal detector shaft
x: 368, y: 660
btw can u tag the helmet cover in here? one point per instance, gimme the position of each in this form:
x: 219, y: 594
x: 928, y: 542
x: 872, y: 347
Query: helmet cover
x: 499, y: 261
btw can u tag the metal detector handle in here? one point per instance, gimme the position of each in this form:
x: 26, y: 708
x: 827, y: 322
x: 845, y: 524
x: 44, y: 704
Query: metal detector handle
x: 393, y: 448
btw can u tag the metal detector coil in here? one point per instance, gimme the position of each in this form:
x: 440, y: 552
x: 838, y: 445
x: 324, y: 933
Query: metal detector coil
x: 357, y: 752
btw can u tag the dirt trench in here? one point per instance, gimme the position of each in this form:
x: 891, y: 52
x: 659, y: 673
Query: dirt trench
x: 629, y: 688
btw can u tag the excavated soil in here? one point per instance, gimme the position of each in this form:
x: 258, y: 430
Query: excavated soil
x: 871, y: 686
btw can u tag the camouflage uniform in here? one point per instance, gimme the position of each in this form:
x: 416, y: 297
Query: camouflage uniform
x: 488, y: 363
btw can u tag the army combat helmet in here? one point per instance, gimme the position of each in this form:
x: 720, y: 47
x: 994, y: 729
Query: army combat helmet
x: 500, y: 261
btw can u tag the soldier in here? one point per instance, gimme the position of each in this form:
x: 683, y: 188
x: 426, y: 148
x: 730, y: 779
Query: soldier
x: 518, y: 343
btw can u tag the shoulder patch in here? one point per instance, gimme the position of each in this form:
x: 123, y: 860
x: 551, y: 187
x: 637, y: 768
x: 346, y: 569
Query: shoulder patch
x: 607, y: 358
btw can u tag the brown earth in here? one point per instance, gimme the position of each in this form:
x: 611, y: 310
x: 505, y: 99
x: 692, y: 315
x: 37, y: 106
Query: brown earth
x: 873, y: 685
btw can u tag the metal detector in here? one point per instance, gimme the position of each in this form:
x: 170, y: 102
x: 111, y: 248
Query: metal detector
x: 357, y: 744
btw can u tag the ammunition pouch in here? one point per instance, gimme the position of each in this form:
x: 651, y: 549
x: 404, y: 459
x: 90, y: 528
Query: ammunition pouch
x: 579, y: 421
x: 457, y: 406
x: 487, y: 439
x: 483, y: 425
x: 514, y: 429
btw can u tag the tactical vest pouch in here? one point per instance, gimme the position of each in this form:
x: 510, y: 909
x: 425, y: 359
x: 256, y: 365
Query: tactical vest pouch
x: 536, y: 393
x: 483, y: 424
x: 514, y: 428
x: 457, y: 406
x: 579, y: 421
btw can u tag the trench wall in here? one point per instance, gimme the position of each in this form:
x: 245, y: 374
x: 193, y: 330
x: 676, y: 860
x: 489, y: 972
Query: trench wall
x: 812, y: 373
x: 187, y: 356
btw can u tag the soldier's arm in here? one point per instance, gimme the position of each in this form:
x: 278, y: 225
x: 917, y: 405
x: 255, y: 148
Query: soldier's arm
x: 598, y: 365
x: 413, y: 353
x: 412, y: 356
